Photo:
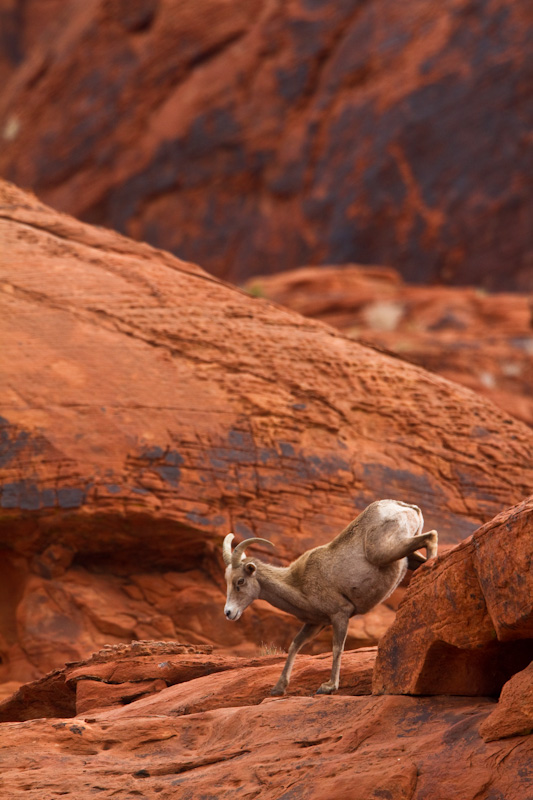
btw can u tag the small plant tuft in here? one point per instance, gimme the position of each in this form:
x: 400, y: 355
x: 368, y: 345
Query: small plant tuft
x: 271, y: 650
x: 256, y: 290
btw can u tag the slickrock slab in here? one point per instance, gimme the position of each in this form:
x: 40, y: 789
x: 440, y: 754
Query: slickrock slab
x: 260, y: 136
x: 465, y: 625
x: 401, y: 748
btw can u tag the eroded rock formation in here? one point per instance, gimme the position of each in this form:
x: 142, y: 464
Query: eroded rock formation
x: 120, y: 674
x: 147, y: 409
x: 260, y: 136
x: 513, y: 716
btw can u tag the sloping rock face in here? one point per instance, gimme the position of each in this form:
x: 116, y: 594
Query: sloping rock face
x: 482, y: 341
x: 260, y: 136
x: 466, y: 623
x: 147, y: 409
x: 221, y: 735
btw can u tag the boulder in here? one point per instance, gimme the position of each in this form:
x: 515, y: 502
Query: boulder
x: 513, y: 715
x: 257, y: 136
x: 480, y: 340
x: 147, y: 409
x: 465, y: 625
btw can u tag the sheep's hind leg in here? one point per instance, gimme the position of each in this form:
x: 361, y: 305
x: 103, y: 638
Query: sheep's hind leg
x: 404, y: 547
x: 304, y: 634
x: 415, y: 560
x: 431, y: 545
x: 340, y: 629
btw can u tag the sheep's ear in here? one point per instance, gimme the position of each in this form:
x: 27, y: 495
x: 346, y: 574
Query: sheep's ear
x: 250, y: 568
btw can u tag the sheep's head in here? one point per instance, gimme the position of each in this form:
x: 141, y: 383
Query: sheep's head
x: 241, y: 578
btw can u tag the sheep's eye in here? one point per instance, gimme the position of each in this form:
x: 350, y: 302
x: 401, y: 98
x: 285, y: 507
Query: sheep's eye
x: 240, y: 582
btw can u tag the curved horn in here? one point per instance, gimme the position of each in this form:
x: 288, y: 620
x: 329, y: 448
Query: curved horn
x: 238, y: 553
x: 226, y: 548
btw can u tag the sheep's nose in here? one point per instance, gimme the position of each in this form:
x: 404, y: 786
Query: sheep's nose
x: 227, y: 612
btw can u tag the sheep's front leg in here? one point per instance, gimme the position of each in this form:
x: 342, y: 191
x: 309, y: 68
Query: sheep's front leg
x: 303, y: 635
x: 340, y: 629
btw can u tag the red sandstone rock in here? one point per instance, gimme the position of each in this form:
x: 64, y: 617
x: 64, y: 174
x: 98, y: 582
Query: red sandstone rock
x: 484, y: 342
x: 27, y: 27
x: 260, y: 136
x: 513, y: 714
x: 119, y: 675
x: 313, y: 747
x: 147, y: 409
x: 162, y: 719
x: 466, y: 622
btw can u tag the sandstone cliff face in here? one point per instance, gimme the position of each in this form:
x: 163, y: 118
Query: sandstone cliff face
x: 147, y: 409
x: 260, y: 136
x: 483, y: 341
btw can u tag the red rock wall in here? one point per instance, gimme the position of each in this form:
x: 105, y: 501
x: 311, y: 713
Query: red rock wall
x: 260, y: 136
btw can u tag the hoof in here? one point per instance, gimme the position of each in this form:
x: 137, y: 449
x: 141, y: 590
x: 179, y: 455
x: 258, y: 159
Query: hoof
x: 327, y: 688
x: 277, y: 691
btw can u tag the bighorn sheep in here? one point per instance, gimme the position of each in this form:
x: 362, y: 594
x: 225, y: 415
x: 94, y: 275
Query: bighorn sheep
x: 331, y: 583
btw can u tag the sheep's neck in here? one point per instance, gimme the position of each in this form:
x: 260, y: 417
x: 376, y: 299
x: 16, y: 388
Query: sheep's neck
x: 277, y: 590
